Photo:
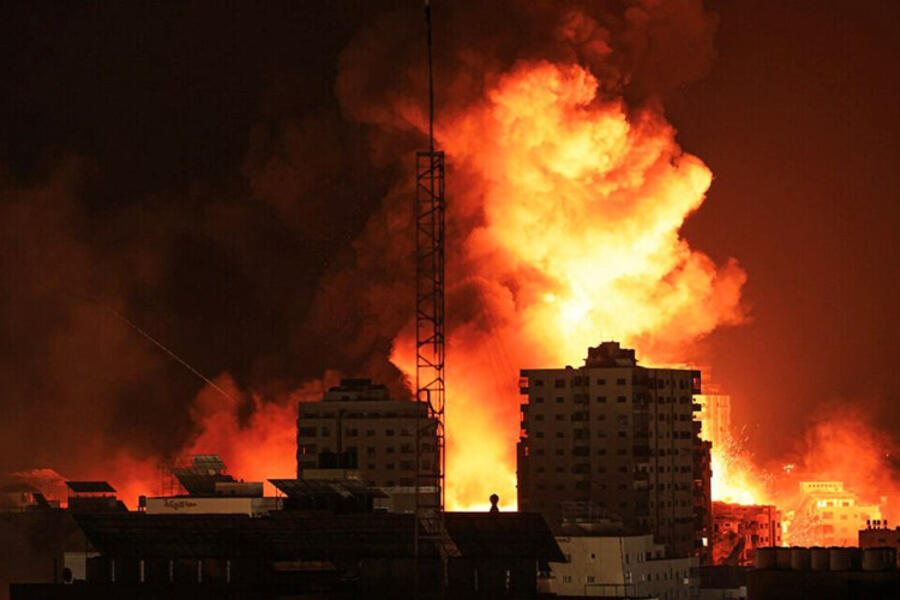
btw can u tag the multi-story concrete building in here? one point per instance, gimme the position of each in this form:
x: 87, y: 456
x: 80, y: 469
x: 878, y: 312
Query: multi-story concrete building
x: 829, y: 515
x: 621, y: 567
x: 616, y: 435
x: 739, y: 529
x: 358, y: 426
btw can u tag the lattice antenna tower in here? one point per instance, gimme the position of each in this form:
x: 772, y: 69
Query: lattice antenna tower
x: 430, y: 207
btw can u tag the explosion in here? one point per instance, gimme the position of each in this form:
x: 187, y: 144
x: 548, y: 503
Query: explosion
x: 581, y: 203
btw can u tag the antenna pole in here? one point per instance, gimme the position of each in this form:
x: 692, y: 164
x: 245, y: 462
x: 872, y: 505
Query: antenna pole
x: 430, y: 78
x: 430, y: 206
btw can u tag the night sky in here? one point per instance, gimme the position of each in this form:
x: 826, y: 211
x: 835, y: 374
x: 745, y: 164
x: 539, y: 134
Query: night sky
x: 138, y: 144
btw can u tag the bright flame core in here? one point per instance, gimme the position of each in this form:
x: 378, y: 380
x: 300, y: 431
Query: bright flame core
x: 580, y: 205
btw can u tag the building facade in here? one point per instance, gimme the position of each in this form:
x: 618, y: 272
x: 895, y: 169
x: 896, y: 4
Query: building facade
x: 877, y: 535
x: 739, y: 529
x: 615, y: 435
x: 829, y: 515
x: 621, y: 567
x: 358, y: 426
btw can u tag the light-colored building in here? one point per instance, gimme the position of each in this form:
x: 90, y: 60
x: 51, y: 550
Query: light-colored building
x: 829, y: 515
x: 621, y: 567
x: 358, y: 426
x: 615, y: 435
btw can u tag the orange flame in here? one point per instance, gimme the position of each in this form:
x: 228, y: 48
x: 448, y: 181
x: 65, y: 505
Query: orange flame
x: 581, y: 203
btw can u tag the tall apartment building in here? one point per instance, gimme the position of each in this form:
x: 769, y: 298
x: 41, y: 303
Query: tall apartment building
x: 617, y: 436
x: 357, y: 426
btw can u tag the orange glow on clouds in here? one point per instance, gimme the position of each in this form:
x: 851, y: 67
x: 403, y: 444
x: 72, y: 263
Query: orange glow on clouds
x: 581, y: 205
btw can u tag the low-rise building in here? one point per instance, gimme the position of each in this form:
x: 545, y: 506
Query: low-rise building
x: 739, y: 529
x: 877, y: 535
x: 829, y: 515
x: 631, y: 566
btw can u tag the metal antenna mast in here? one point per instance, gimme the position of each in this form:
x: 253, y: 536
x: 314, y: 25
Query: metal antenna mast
x: 430, y: 206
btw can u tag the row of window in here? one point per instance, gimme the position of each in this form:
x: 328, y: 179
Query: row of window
x: 581, y: 381
x: 356, y: 415
x: 583, y: 434
x: 308, y: 431
x: 583, y: 399
x: 403, y: 465
x: 585, y: 468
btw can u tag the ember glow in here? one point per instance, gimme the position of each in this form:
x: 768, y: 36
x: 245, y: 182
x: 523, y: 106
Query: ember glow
x: 581, y: 202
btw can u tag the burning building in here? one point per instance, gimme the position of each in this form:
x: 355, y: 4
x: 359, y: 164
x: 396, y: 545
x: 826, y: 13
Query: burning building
x: 828, y: 515
x: 616, y: 436
x: 738, y: 530
x: 714, y: 414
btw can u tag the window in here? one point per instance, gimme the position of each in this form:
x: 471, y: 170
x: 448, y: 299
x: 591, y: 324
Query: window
x: 352, y: 432
x: 538, y: 417
x: 620, y: 381
x: 560, y: 417
x: 560, y: 383
x: 601, y: 382
x: 621, y: 399
x: 389, y: 432
x: 601, y: 399
x: 307, y: 432
x: 539, y: 400
x: 326, y: 431
x: 370, y: 451
x: 370, y: 433
x: 559, y: 399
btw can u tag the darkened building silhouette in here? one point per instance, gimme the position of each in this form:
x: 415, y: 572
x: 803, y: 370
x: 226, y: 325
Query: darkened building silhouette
x: 824, y: 574
x: 615, y: 435
x: 322, y: 555
x: 357, y: 425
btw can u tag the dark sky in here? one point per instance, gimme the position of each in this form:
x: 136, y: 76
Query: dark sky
x: 156, y: 123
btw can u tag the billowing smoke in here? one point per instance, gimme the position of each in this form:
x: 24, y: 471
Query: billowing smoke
x: 567, y: 192
x: 567, y: 195
x: 566, y: 201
